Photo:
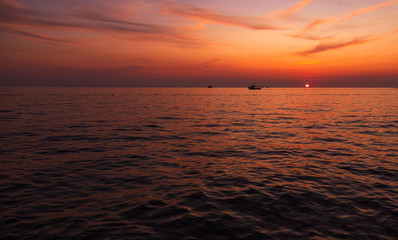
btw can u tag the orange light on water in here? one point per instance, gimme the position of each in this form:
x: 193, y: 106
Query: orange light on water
x: 307, y: 85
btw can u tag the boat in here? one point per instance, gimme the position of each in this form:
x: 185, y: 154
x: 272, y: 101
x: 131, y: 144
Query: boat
x: 254, y: 87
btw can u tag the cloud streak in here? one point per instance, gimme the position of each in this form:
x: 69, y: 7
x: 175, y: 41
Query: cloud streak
x: 27, y: 34
x: 367, y: 10
x: 254, y: 23
x: 332, y: 46
x: 318, y: 22
x: 209, y: 62
x: 99, y: 20
x: 290, y: 11
x: 93, y: 20
x: 16, y: 16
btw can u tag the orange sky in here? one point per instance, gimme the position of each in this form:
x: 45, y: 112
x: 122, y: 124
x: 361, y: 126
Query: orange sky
x: 197, y: 43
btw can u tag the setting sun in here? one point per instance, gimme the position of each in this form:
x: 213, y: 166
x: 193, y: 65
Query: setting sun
x: 307, y: 85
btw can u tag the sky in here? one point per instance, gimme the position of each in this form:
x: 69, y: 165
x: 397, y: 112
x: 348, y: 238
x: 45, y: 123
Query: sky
x: 229, y: 43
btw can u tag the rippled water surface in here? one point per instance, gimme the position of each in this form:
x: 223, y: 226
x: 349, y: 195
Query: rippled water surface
x: 191, y: 163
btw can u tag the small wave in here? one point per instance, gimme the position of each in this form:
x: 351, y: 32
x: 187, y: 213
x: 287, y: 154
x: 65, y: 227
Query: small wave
x: 134, y: 138
x: 169, y: 118
x: 153, y: 126
x: 128, y: 129
x: 210, y: 133
x: 6, y: 111
x: 65, y: 138
x: 328, y: 139
x: 55, y: 151
x: 208, y: 125
x: 160, y: 164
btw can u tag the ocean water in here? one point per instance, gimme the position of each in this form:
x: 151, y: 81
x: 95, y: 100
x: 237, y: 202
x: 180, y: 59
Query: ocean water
x: 198, y: 163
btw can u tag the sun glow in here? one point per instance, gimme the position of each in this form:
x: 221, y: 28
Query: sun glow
x: 307, y: 85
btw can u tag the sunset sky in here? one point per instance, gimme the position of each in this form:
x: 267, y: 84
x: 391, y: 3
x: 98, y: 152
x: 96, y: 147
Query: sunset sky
x: 199, y: 42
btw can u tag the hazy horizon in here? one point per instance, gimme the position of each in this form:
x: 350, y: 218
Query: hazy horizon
x: 340, y: 82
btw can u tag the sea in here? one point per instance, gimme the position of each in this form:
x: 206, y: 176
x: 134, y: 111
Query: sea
x: 198, y: 163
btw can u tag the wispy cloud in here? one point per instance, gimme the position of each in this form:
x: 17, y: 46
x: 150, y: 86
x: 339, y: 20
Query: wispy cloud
x: 290, y: 11
x: 209, y: 62
x: 11, y: 3
x: 175, y: 40
x: 145, y: 60
x: 320, y: 21
x: 313, y: 24
x: 99, y: 20
x: 131, y: 68
x: 308, y: 63
x: 16, y: 16
x: 93, y: 20
x: 255, y: 23
x: 367, y: 10
x: 331, y: 46
x: 27, y: 34
x: 311, y: 37
x: 14, y: 49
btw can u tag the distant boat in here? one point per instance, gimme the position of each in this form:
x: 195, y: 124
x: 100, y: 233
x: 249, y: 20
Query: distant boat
x: 254, y: 87
x: 210, y: 86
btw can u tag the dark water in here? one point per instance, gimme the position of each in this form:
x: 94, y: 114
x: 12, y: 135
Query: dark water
x: 81, y: 163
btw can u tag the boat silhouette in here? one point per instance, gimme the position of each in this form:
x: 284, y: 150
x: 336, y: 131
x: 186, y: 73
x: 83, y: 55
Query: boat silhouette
x: 254, y: 87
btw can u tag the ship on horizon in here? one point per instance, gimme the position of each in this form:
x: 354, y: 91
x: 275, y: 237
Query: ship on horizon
x: 254, y: 87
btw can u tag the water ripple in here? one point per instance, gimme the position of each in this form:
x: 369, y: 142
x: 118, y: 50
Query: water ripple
x: 189, y: 164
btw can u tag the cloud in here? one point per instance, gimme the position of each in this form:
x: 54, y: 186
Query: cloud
x: 290, y: 11
x: 18, y: 15
x: 175, y: 40
x: 10, y: 3
x: 145, y: 60
x: 209, y: 62
x: 331, y: 46
x: 132, y: 68
x: 102, y: 21
x: 313, y: 24
x: 367, y: 10
x: 311, y: 37
x: 254, y: 23
x: 72, y: 17
x: 308, y: 63
x: 6, y: 29
x: 89, y: 19
x: 14, y: 49
x: 318, y: 22
x: 204, y: 14
x: 15, y: 16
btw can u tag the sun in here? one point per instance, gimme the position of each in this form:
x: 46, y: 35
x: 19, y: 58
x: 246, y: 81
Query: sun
x: 307, y: 85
